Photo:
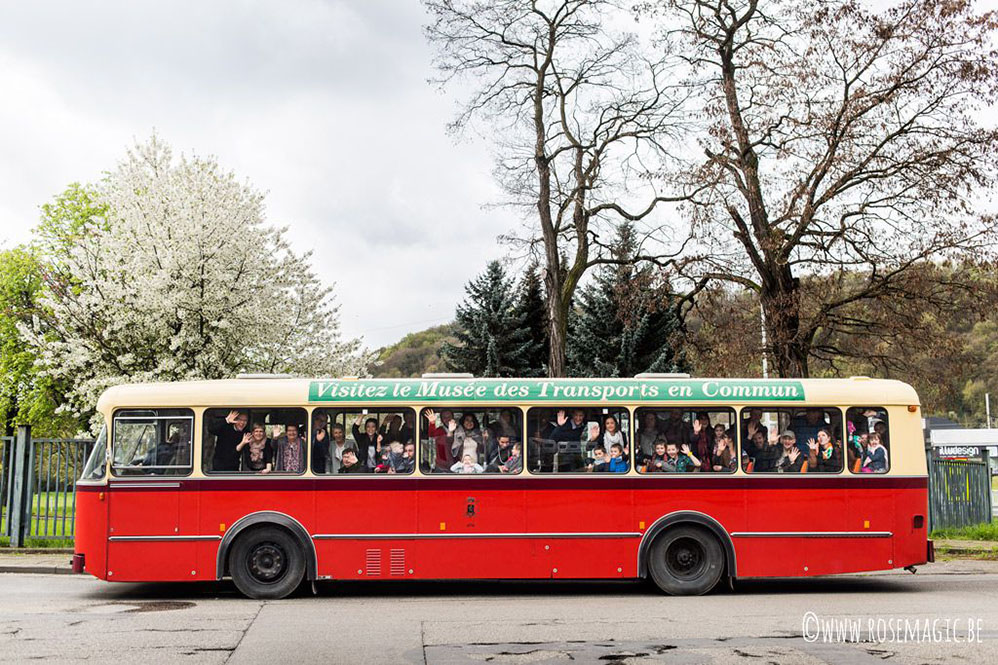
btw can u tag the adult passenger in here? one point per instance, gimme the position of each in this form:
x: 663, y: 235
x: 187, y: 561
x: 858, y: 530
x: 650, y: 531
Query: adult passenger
x: 791, y: 459
x: 257, y: 450
x: 442, y: 436
x: 368, y: 441
x: 228, y: 434
x: 289, y: 451
x: 824, y: 455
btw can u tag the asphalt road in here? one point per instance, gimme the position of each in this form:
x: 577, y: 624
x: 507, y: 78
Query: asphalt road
x: 63, y: 618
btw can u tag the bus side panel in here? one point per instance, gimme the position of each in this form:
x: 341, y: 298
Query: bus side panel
x: 911, y: 542
x: 90, y: 528
x: 574, y: 512
x: 445, y: 514
x: 151, y: 561
x: 342, y: 511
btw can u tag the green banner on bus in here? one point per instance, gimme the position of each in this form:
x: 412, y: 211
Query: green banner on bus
x: 554, y: 390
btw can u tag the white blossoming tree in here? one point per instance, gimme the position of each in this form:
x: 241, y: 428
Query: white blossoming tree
x: 185, y: 280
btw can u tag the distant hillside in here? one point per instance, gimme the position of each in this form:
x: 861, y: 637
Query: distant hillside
x: 414, y: 354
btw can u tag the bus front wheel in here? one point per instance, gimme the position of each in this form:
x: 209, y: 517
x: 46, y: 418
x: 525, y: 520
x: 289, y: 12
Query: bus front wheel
x: 686, y: 561
x: 266, y: 563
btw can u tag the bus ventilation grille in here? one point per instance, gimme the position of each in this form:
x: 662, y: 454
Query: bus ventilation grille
x: 397, y: 562
x: 373, y: 566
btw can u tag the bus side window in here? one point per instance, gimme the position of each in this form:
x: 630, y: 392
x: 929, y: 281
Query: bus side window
x: 869, y: 442
x: 688, y: 439
x: 791, y: 440
x: 471, y: 440
x: 570, y: 439
x: 380, y: 440
x: 254, y: 440
x: 152, y: 442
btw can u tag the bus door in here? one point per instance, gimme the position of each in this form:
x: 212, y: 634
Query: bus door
x: 151, y: 450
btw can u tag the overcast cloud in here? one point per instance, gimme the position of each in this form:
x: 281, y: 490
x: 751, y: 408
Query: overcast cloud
x: 323, y: 105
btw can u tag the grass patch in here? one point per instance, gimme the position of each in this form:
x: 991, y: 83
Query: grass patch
x: 986, y: 531
x: 994, y: 482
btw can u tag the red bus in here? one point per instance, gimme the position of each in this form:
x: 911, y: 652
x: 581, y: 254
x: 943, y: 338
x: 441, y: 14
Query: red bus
x: 272, y: 481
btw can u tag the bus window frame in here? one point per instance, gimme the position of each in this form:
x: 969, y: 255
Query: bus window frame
x: 111, y: 447
x: 631, y: 468
x: 777, y: 407
x: 207, y: 473
x: 379, y: 406
x: 696, y: 408
x: 449, y: 406
x: 887, y: 447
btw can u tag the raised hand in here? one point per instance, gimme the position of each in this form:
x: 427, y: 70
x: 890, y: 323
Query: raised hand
x: 752, y: 427
x: 276, y: 429
x: 812, y: 444
x: 247, y: 438
x: 320, y: 435
x: 360, y: 420
x: 430, y: 415
x: 594, y: 432
x: 231, y: 418
x: 793, y: 454
x: 686, y: 449
x: 697, y: 426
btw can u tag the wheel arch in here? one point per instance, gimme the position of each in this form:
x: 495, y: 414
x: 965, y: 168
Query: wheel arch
x: 686, y: 517
x: 268, y: 518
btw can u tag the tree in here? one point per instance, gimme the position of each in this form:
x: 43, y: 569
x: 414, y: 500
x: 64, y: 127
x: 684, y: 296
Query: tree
x: 843, y: 149
x: 490, y: 332
x: 414, y: 355
x: 575, y: 109
x: 183, y: 280
x: 530, y: 305
x: 625, y: 323
x: 26, y: 397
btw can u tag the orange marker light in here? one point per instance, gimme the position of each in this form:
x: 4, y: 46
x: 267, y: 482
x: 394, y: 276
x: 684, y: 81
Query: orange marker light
x: 912, y: 408
x: 641, y: 525
x: 221, y: 528
x: 443, y: 526
x: 866, y: 524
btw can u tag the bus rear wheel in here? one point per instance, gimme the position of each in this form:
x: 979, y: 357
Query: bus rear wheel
x: 266, y: 563
x: 686, y: 561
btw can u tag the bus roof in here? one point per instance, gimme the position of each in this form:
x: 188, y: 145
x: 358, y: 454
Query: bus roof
x: 255, y: 392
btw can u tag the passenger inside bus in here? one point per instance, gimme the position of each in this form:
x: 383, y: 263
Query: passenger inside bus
x: 488, y: 437
x: 230, y: 448
x: 869, y: 448
x: 809, y: 440
x: 572, y: 439
x: 706, y: 433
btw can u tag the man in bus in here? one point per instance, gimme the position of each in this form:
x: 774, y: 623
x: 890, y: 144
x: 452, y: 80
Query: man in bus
x: 228, y: 434
x: 351, y: 464
x: 320, y: 443
x: 791, y: 459
x: 337, y: 447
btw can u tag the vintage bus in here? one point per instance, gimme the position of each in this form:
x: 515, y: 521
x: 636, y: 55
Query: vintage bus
x: 272, y: 481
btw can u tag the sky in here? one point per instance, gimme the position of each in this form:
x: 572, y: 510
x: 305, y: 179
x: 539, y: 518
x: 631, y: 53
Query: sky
x: 324, y: 106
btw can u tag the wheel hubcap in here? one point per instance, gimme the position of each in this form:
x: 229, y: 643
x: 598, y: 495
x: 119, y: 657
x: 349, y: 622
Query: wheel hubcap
x: 685, y: 558
x: 267, y: 562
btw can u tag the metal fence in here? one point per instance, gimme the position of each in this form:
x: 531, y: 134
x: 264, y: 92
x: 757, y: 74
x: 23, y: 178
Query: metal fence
x: 959, y: 492
x: 38, y: 486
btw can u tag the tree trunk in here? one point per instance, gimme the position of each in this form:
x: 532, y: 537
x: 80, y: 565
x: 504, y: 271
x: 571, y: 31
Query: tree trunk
x: 557, y: 322
x: 781, y: 304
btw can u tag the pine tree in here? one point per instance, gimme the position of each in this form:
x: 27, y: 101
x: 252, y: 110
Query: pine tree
x: 530, y: 304
x: 492, y: 339
x: 624, y: 323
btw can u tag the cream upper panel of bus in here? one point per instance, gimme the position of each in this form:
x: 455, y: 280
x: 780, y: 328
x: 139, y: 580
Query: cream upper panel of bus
x: 734, y: 392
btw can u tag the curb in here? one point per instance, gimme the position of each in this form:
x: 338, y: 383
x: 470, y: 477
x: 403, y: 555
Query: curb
x: 37, y: 570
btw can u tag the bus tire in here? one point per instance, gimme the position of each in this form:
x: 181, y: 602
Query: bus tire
x: 686, y: 561
x: 266, y: 563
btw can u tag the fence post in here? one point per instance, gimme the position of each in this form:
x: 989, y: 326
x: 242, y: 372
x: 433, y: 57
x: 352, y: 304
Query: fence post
x: 19, y: 510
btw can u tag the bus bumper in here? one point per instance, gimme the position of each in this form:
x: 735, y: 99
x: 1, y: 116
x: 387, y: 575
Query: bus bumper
x: 78, y: 561
x: 930, y: 554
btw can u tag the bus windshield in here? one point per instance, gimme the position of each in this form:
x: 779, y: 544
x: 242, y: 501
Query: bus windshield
x: 94, y: 468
